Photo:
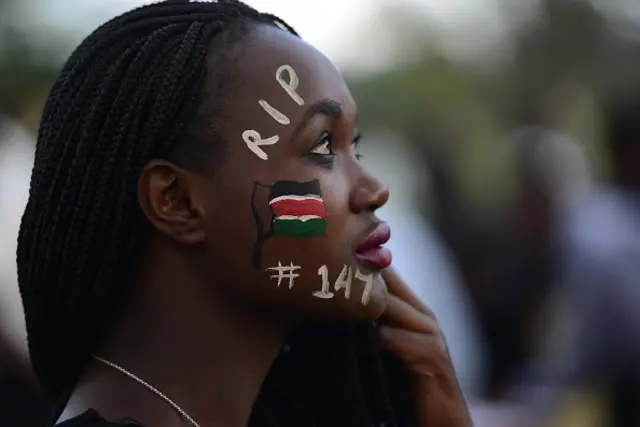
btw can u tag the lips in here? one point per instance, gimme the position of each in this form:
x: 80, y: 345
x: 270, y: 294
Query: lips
x: 371, y: 252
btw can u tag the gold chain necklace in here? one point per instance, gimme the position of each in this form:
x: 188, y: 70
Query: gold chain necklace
x: 150, y: 388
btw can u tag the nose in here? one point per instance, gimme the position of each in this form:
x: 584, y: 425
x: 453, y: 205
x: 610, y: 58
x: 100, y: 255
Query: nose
x: 368, y: 194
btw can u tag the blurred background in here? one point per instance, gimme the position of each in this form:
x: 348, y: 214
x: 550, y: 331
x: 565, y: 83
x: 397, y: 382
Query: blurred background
x: 509, y: 133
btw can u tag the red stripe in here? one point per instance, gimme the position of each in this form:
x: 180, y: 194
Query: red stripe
x: 299, y: 207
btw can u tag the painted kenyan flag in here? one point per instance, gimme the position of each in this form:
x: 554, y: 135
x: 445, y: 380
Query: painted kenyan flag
x: 297, y: 210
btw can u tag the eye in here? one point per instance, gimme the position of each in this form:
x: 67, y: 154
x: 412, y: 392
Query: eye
x: 323, y: 146
x: 355, y: 144
x: 322, y: 152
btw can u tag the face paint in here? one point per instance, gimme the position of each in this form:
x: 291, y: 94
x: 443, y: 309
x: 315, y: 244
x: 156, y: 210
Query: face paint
x: 325, y: 292
x: 289, y: 273
x: 252, y: 138
x: 344, y: 281
x: 277, y: 115
x: 368, y: 287
x: 285, y: 272
x: 292, y: 85
x: 297, y: 210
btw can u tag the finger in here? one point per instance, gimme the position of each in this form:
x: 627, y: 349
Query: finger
x: 398, y: 287
x: 401, y: 314
x: 420, y: 352
x: 424, y: 355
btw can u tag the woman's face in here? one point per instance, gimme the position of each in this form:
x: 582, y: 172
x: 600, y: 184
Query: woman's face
x: 290, y: 215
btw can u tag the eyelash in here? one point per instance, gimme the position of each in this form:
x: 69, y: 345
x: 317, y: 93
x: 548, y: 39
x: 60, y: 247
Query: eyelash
x: 326, y: 159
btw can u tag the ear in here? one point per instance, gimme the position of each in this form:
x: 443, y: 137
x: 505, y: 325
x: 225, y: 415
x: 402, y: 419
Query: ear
x: 169, y: 198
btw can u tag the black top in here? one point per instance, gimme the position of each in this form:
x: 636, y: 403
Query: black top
x: 352, y: 384
x: 21, y: 403
x: 92, y: 419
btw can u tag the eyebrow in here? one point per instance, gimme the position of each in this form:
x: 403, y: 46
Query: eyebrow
x: 327, y: 107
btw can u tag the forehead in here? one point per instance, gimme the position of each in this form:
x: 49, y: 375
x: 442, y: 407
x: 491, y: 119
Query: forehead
x: 268, y: 48
x: 259, y: 57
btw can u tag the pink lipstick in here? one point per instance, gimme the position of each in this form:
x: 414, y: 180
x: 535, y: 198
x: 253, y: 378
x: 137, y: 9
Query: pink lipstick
x: 372, y: 252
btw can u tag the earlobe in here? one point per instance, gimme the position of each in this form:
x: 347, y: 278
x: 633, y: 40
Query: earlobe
x: 191, y: 237
x: 166, y: 197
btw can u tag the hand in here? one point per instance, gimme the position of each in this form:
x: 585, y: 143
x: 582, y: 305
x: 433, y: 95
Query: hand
x: 409, y: 330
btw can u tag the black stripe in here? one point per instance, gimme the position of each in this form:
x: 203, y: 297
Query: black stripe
x: 294, y: 188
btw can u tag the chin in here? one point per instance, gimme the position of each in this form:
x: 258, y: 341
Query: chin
x: 349, y: 312
x: 307, y: 310
x: 376, y: 305
x: 354, y: 310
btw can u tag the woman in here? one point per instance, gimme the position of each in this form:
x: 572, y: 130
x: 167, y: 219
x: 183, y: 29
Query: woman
x: 163, y: 283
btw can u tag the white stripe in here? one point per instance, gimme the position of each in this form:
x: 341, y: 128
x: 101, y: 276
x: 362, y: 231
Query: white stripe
x: 296, y: 198
x: 277, y: 115
x: 302, y: 218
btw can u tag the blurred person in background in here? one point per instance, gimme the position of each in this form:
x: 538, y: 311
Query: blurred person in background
x: 595, y: 349
x: 152, y: 287
x: 519, y: 257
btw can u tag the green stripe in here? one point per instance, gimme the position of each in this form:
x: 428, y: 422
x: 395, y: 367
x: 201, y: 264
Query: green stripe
x: 295, y: 227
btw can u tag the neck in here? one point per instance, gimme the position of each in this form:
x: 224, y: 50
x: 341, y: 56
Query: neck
x: 210, y: 359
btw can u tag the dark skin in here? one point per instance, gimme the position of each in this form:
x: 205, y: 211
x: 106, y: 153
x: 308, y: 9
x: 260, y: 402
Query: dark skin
x: 200, y: 323
x: 410, y: 331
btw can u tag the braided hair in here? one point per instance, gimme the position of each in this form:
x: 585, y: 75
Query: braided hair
x: 129, y: 93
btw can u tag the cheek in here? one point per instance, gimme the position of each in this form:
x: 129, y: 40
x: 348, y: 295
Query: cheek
x: 320, y: 273
x: 313, y: 238
x: 307, y: 264
x: 321, y: 282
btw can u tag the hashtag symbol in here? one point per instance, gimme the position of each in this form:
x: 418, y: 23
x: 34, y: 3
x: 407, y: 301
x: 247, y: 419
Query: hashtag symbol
x: 285, y: 272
